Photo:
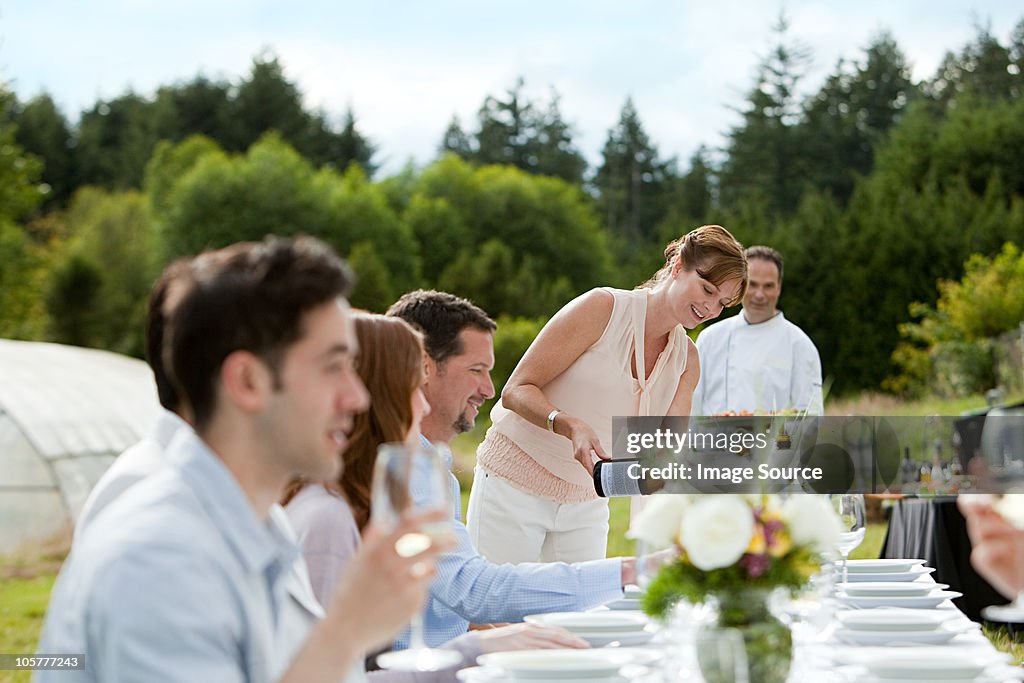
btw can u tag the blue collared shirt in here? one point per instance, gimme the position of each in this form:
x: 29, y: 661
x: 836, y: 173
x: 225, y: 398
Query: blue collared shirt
x: 178, y: 580
x: 471, y: 589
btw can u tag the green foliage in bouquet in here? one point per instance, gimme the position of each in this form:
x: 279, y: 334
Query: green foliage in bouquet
x: 683, y: 581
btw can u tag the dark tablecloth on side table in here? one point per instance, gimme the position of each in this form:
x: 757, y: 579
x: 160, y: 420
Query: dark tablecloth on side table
x: 934, y: 530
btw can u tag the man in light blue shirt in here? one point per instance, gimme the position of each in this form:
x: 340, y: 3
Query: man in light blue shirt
x: 181, y: 577
x: 469, y: 588
x: 149, y: 456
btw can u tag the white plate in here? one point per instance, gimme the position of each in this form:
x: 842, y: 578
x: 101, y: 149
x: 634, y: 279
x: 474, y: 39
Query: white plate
x: 558, y: 664
x: 872, y: 566
x: 915, y: 602
x: 890, y: 588
x: 625, y: 604
x: 591, y: 622
x: 915, y: 573
x: 482, y: 674
x: 876, y: 679
x: 940, y: 666
x: 882, y: 620
x: 930, y: 637
x: 624, y: 639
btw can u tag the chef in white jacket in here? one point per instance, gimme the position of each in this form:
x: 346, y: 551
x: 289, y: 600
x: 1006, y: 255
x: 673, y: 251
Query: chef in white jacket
x: 758, y: 361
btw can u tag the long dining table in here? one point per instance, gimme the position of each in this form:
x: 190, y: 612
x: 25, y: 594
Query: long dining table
x: 670, y: 656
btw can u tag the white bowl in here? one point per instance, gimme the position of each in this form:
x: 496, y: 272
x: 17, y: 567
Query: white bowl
x: 890, y: 588
x: 557, y: 664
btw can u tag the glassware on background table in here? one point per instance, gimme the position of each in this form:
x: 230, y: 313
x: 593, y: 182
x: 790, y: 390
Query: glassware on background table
x: 850, y: 508
x: 412, y: 479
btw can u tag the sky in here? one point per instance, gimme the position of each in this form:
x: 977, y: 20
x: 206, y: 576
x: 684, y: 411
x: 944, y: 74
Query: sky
x: 406, y: 67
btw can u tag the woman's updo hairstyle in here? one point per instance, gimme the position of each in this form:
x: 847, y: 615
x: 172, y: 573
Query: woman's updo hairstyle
x: 713, y: 252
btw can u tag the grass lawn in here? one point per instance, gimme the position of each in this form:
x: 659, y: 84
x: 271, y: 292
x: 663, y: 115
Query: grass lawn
x: 22, y: 606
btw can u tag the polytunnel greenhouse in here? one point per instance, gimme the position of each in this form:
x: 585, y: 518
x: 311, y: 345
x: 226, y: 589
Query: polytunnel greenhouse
x: 65, y: 414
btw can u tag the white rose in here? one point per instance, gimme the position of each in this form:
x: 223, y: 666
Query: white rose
x: 658, y: 523
x: 716, y: 530
x: 812, y: 521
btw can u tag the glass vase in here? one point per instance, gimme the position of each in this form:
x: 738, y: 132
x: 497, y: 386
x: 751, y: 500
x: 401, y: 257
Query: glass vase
x: 768, y: 642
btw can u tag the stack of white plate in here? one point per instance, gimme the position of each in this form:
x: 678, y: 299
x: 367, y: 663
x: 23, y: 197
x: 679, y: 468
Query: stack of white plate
x: 914, y: 594
x: 632, y: 599
x: 877, y: 568
x: 944, y: 667
x: 891, y: 626
x: 886, y: 570
x: 543, y: 666
x: 600, y: 628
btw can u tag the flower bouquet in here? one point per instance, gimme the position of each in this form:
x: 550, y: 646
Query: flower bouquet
x: 734, y: 550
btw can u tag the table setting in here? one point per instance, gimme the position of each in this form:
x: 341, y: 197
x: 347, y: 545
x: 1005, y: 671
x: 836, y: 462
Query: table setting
x: 799, y: 620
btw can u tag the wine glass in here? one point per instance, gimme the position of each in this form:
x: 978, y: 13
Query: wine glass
x: 412, y: 479
x: 850, y: 508
x: 809, y: 612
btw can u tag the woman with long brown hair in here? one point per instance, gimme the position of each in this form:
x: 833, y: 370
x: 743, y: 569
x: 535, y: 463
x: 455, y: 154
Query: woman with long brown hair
x: 329, y: 516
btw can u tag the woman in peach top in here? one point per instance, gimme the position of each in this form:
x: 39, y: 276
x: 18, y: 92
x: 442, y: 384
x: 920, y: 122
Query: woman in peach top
x: 609, y: 352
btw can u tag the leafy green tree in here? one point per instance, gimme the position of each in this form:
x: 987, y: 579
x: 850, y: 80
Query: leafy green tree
x: 556, y: 152
x: 507, y: 130
x: 222, y: 199
x: 373, y: 291
x: 41, y: 130
x: 171, y: 161
x: 455, y: 140
x: 266, y: 100
x: 851, y: 113
x: 115, y: 140
x: 987, y: 301
x: 456, y: 208
x: 984, y: 69
x: 976, y: 139
x: 634, y: 185
x: 358, y: 211
x: 104, y: 272
x: 22, y: 261
x: 74, y: 301
x: 440, y: 230
x: 483, y: 276
x: 694, y: 191
x: 764, y: 159
x: 196, y: 107
x: 519, y: 132
x: 350, y: 146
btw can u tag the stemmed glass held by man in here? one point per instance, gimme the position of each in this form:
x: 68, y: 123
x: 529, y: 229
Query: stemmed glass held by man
x: 412, y: 479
